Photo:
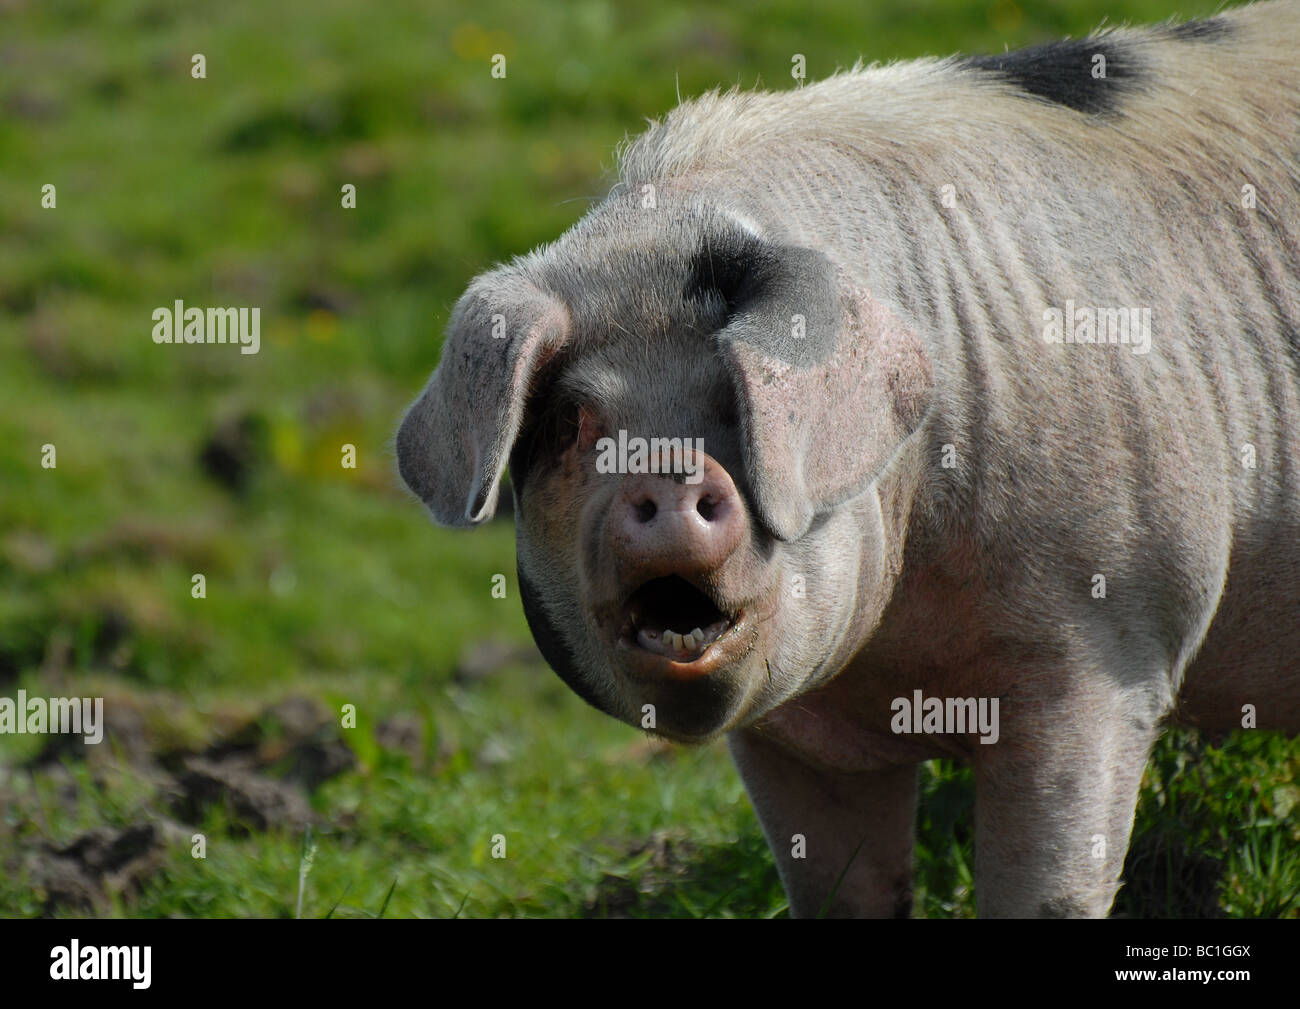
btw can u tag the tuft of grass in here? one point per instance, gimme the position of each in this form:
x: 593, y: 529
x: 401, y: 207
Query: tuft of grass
x: 304, y: 867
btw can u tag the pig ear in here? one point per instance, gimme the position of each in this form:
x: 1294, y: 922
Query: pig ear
x: 829, y: 382
x: 456, y: 438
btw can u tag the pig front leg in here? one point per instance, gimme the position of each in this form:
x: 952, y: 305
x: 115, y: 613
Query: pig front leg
x: 1054, y: 805
x: 815, y: 819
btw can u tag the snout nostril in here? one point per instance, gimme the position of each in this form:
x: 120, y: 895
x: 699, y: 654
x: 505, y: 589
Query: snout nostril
x: 646, y: 510
x: 705, y: 507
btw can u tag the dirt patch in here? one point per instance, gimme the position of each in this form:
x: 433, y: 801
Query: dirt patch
x: 403, y: 733
x: 654, y: 866
x: 235, y: 451
x: 295, y: 740
x: 258, y: 771
x: 262, y: 770
x: 78, y: 877
x: 251, y: 801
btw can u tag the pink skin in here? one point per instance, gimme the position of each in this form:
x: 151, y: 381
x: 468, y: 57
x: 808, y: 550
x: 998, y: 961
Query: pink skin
x: 661, y: 525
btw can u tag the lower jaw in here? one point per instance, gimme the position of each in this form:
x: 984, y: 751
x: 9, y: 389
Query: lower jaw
x: 697, y: 710
x: 650, y: 669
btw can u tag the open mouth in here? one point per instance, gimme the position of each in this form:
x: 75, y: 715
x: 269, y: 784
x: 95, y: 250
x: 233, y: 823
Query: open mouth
x: 671, y: 617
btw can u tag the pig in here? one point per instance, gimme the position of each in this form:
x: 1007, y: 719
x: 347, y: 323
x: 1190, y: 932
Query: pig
x: 949, y: 408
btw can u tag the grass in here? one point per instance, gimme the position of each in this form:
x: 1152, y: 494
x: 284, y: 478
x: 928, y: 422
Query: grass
x: 329, y: 582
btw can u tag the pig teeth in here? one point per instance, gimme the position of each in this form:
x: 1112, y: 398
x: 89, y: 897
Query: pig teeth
x: 678, y: 646
x: 690, y: 642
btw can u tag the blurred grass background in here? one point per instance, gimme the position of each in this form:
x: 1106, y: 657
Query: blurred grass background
x: 329, y: 584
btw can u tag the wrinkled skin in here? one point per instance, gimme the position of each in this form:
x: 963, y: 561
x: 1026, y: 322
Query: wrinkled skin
x: 902, y: 486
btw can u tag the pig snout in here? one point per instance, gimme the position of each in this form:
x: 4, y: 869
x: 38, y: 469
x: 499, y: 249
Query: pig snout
x: 677, y: 547
x: 663, y: 524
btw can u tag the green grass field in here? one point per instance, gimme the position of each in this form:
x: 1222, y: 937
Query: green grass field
x: 327, y: 586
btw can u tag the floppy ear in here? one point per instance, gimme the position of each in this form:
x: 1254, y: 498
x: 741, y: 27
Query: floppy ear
x: 828, y: 381
x: 456, y: 438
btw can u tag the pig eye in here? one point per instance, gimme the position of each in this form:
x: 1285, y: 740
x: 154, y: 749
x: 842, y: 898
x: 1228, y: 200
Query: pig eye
x: 590, y: 428
x: 552, y: 424
x: 565, y: 421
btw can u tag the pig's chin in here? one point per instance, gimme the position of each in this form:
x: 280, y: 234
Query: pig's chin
x: 688, y: 706
x: 697, y: 689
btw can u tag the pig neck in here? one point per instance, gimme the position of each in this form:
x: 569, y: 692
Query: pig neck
x: 915, y: 626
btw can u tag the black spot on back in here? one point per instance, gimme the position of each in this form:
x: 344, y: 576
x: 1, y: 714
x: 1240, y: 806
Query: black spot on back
x: 1210, y: 30
x: 1062, y: 72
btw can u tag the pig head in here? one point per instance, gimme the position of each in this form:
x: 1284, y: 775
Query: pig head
x: 692, y: 417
